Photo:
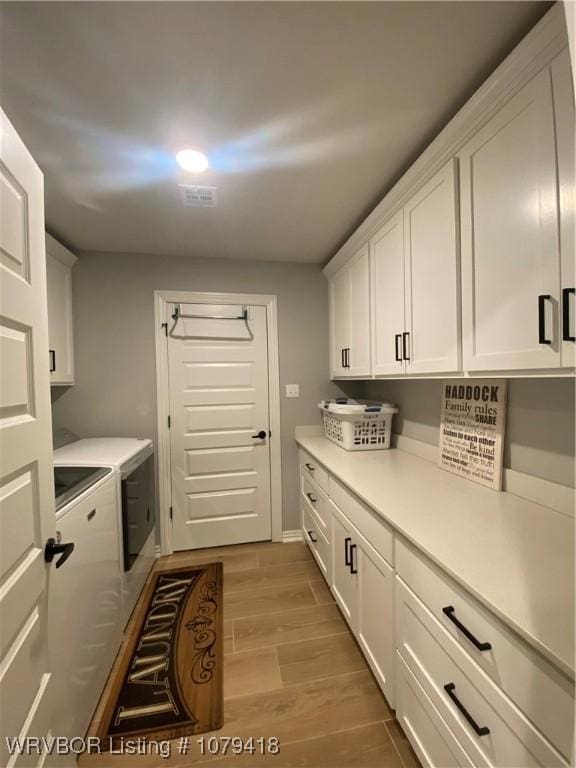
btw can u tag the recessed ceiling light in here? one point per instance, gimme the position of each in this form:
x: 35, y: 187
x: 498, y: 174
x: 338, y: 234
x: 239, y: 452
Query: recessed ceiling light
x: 192, y: 160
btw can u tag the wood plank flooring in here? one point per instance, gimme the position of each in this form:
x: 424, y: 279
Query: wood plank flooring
x: 292, y: 670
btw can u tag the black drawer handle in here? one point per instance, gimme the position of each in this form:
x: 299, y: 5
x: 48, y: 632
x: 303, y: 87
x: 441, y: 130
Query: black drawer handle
x: 311, y: 536
x: 405, y: 340
x: 397, y: 350
x: 449, y: 611
x: 566, y: 293
x: 353, y: 568
x: 479, y: 730
x: 347, y: 541
x: 542, y: 299
x: 309, y: 467
x: 52, y: 360
x: 92, y: 514
x: 312, y: 499
x: 342, y: 361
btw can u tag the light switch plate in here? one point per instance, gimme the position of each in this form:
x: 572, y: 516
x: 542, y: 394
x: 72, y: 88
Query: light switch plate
x: 292, y: 390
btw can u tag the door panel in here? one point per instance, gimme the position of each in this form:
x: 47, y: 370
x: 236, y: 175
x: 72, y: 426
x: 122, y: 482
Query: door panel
x: 563, y: 87
x: 387, y: 298
x: 509, y: 236
x: 339, y: 320
x: 218, y: 373
x: 359, y: 344
x: 27, y: 514
x: 344, y: 582
x: 433, y: 276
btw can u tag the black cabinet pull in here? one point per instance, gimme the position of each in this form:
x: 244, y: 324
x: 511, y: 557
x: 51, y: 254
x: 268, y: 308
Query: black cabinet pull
x: 91, y: 514
x: 347, y: 541
x: 346, y: 357
x: 52, y: 360
x: 342, y: 358
x: 311, y: 536
x: 542, y: 299
x: 353, y: 568
x: 449, y: 611
x: 53, y: 548
x: 312, y: 499
x: 309, y: 467
x: 479, y: 730
x: 566, y: 293
x: 397, y: 350
x: 405, y: 339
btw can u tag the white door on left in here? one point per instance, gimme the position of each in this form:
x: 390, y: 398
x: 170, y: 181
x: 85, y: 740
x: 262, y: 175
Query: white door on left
x: 27, y: 515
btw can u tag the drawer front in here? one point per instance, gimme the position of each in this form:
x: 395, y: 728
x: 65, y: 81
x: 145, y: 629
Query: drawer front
x: 370, y: 525
x: 312, y: 468
x: 318, y: 543
x: 432, y: 740
x: 318, y: 500
x: 487, y: 725
x: 513, y: 665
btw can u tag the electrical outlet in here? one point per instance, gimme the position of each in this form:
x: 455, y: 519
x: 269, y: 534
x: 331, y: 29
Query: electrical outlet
x: 292, y: 390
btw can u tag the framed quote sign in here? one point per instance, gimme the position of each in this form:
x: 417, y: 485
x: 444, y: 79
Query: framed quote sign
x: 472, y: 425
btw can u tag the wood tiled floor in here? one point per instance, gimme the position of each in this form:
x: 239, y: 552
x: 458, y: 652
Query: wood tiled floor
x: 292, y: 670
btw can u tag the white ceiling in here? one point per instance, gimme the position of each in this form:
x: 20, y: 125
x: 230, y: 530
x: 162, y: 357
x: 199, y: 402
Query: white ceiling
x: 308, y: 111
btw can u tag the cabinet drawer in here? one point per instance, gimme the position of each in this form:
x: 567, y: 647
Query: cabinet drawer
x: 316, y: 540
x: 432, y: 740
x: 370, y: 525
x: 318, y: 501
x: 310, y: 467
x: 485, y: 722
x: 510, y: 662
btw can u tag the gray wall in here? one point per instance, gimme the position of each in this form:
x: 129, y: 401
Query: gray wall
x: 115, y: 390
x: 540, y: 421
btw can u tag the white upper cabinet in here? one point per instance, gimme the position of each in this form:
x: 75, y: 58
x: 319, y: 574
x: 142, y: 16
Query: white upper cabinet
x: 563, y: 89
x: 350, y: 318
x: 59, y: 263
x: 432, y: 275
x: 387, y: 293
x: 510, y: 256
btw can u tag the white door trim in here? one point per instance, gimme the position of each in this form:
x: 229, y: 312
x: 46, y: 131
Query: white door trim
x: 161, y: 301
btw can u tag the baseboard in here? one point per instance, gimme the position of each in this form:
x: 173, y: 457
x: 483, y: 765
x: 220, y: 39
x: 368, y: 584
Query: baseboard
x: 290, y: 536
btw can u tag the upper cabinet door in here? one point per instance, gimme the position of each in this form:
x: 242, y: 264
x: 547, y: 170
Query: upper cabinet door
x: 563, y: 88
x: 433, y: 276
x: 510, y: 259
x: 59, y: 262
x: 339, y: 321
x: 358, y: 356
x: 387, y: 297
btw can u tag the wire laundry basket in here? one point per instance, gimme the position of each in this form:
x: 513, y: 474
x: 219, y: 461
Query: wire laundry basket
x: 358, y: 425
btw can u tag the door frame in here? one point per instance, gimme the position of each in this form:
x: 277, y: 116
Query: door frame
x: 161, y: 301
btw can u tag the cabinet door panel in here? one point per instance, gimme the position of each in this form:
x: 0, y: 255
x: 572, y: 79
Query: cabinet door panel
x: 509, y: 236
x: 387, y: 294
x: 433, y: 275
x: 339, y: 319
x: 59, y: 287
x: 359, y: 355
x: 344, y: 582
x: 563, y: 88
x: 376, y: 617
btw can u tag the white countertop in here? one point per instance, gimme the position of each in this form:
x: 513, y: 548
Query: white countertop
x: 515, y: 556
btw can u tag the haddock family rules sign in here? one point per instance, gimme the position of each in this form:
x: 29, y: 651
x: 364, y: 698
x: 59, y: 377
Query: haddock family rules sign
x: 472, y: 422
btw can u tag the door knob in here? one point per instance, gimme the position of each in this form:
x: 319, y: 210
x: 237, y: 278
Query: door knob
x: 261, y: 435
x: 52, y: 549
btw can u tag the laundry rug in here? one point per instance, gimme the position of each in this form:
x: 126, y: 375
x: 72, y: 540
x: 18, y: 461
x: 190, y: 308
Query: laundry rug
x: 170, y: 677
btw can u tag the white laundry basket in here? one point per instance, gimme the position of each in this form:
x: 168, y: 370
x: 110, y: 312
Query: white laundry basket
x: 358, y: 425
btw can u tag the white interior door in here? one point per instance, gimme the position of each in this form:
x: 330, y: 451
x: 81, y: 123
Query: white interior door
x: 27, y: 514
x: 387, y: 300
x: 220, y: 468
x: 510, y: 258
x: 433, y: 275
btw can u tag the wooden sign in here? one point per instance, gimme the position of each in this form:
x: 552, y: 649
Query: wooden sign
x: 472, y: 423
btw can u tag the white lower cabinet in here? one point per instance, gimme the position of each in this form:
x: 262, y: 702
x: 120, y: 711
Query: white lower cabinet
x: 467, y: 690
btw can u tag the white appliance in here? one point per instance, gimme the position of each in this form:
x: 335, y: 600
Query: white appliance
x: 131, y: 460
x: 85, y: 611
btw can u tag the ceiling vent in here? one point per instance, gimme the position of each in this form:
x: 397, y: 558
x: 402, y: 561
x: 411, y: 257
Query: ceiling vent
x: 198, y: 197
